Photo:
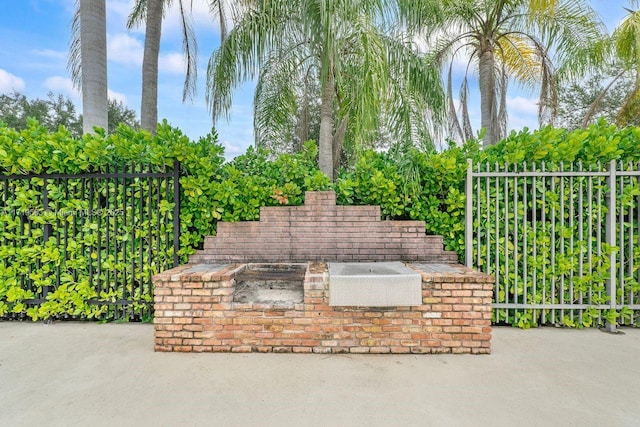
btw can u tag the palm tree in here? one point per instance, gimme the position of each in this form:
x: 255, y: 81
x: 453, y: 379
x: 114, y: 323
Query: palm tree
x: 625, y: 53
x: 362, y: 73
x: 535, y: 42
x: 151, y: 12
x: 88, y: 62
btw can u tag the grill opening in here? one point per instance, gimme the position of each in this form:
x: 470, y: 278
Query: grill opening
x: 270, y: 284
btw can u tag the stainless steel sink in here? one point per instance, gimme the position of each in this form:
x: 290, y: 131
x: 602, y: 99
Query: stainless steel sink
x: 373, y: 284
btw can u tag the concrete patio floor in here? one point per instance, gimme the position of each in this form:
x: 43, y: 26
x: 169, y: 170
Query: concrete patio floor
x: 84, y: 374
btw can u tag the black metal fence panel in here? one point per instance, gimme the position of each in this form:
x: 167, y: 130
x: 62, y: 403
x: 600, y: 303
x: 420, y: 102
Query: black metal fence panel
x: 86, y: 246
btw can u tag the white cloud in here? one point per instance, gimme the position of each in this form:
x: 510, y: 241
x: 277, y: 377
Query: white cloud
x: 50, y: 53
x: 517, y: 122
x: 124, y: 49
x: 198, y: 11
x: 523, y: 112
x: 199, y: 14
x: 231, y: 150
x: 460, y: 66
x: 119, y: 8
x: 173, y: 63
x: 10, y: 83
x: 64, y: 85
x: 117, y: 96
x: 521, y: 105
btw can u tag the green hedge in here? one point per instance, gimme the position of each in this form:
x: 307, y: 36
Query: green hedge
x: 561, y: 270
x: 407, y: 185
x: 31, y: 268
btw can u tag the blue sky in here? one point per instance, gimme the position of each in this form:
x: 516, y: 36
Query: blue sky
x: 34, y: 39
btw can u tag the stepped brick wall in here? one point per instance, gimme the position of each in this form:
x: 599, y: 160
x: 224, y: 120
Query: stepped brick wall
x: 322, y: 231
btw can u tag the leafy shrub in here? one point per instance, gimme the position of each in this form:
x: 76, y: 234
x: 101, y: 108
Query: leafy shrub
x: 407, y: 185
x: 92, y: 225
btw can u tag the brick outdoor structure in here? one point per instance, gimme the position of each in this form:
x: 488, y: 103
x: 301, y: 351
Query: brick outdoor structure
x: 195, y: 312
x: 322, y: 231
x: 195, y: 309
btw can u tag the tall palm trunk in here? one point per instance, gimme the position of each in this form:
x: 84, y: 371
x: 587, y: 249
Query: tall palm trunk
x: 149, y: 103
x: 488, y: 103
x: 93, y: 46
x: 325, y: 143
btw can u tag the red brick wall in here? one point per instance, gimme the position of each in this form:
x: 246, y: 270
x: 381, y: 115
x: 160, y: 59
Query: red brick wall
x: 195, y: 312
x: 322, y: 231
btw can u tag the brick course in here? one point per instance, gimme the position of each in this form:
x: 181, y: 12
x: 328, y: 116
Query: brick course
x: 322, y: 231
x: 195, y: 312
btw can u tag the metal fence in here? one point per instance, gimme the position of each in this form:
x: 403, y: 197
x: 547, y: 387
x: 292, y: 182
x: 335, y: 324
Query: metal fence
x: 98, y: 236
x: 562, y: 240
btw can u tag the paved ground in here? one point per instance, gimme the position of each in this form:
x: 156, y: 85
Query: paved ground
x: 69, y: 374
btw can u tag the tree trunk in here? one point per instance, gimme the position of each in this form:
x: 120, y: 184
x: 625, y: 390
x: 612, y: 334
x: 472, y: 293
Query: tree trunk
x: 149, y: 103
x: 325, y: 143
x: 488, y: 104
x: 93, y: 46
x: 338, y: 144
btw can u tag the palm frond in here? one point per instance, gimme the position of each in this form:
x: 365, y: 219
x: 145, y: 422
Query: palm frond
x: 190, y: 52
x: 455, y: 130
x: 627, y: 39
x: 138, y: 15
x: 464, y: 110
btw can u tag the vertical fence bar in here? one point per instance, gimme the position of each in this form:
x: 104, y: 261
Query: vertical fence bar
x: 623, y: 256
x: 167, y: 191
x: 581, y: 240
x: 144, y: 234
x: 112, y: 216
x: 496, y: 267
x: 176, y: 213
x: 610, y: 236
x: 150, y: 186
x: 534, y: 220
x: 599, y: 233
x: 159, y: 225
x: 632, y: 300
x: 552, y: 292
x: 479, y: 221
x: 57, y: 207
x: 516, y: 242
x: 590, y: 234
x: 525, y: 242
x: 626, y: 295
x: 505, y: 200
x: 133, y: 237
x: 6, y: 211
x: 543, y: 223
x: 486, y: 222
x: 561, y: 298
x: 47, y: 232
x: 468, y: 228
x: 571, y: 241
x: 123, y: 227
x: 85, y: 218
